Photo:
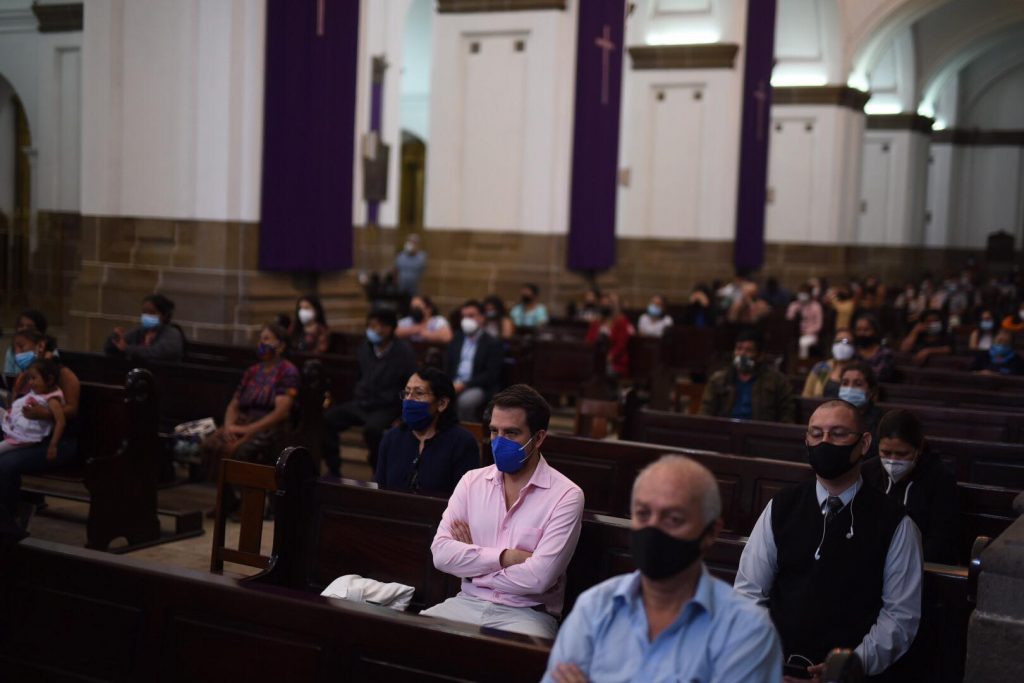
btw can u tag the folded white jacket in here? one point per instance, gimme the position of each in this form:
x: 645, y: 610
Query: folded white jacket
x: 355, y: 588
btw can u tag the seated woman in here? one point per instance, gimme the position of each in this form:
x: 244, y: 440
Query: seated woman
x: 982, y: 335
x: 1000, y: 359
x: 309, y: 332
x: 823, y: 379
x: 867, y: 338
x: 28, y: 319
x: 429, y: 451
x: 908, y: 472
x: 28, y: 346
x: 256, y: 419
x: 654, y: 320
x: 499, y: 325
x: 614, y: 328
x: 858, y: 385
x: 423, y: 324
x: 155, y: 339
x: 928, y: 338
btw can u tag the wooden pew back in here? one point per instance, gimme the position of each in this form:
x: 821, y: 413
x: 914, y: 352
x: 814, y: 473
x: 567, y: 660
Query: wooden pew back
x: 73, y: 614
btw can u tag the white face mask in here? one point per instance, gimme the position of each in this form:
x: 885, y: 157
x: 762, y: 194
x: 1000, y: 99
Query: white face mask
x: 470, y: 326
x: 842, y: 352
x: 803, y: 297
x: 410, y: 247
x: 306, y: 316
x: 897, y: 469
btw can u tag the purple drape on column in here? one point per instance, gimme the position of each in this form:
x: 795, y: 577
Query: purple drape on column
x: 595, y: 149
x: 748, y: 250
x: 308, y: 135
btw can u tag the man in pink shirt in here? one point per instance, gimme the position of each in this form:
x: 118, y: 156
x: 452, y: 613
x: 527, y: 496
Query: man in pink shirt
x: 510, y: 529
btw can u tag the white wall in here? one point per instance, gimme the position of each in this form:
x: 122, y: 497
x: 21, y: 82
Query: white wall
x: 172, y: 108
x: 813, y: 174
x: 893, y: 183
x: 680, y: 153
x: 501, y: 121
x: 415, y: 69
x: 944, y: 159
x: 807, y: 43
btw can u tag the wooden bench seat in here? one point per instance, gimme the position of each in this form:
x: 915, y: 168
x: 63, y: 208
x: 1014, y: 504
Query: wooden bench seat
x: 116, y: 472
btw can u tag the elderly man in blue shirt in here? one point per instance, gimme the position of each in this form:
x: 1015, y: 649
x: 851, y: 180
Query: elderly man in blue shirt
x: 670, y: 620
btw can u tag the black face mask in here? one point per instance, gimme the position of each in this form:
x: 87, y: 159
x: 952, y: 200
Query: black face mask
x: 659, y: 556
x: 417, y: 315
x: 865, y: 341
x: 831, y: 461
x: 526, y: 298
x: 606, y: 311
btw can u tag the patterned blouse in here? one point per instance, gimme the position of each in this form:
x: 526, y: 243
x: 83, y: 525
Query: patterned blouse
x: 261, y: 386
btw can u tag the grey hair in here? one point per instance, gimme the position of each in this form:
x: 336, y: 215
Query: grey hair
x: 706, y: 484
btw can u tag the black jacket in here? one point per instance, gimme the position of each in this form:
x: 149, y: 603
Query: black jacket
x: 929, y: 495
x: 487, y: 362
x: 380, y: 379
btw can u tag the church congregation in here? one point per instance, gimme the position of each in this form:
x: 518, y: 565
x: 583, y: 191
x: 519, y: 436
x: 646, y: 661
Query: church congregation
x: 512, y: 340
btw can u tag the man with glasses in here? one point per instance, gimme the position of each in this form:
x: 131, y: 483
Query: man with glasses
x: 836, y: 562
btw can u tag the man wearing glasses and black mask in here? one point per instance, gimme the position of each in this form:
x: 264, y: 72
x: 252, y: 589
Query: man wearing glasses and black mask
x: 836, y: 562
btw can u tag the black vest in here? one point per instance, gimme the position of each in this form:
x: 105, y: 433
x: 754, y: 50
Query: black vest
x: 832, y: 601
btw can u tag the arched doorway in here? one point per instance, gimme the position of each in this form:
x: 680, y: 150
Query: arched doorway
x: 413, y: 179
x: 417, y: 46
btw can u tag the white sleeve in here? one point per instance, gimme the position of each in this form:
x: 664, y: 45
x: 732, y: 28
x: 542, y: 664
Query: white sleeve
x: 891, y: 635
x: 759, y: 562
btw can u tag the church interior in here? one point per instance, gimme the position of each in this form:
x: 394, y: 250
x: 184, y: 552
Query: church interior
x: 690, y: 225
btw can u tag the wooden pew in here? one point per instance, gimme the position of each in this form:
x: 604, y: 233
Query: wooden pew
x: 952, y: 397
x: 940, y: 422
x: 355, y: 528
x: 984, y: 510
x: 119, y: 460
x: 960, y: 379
x: 74, y: 614
x: 605, y: 470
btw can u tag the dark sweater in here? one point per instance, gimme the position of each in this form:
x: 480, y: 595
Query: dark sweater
x: 832, y: 601
x: 932, y: 502
x: 446, y: 456
x: 380, y: 379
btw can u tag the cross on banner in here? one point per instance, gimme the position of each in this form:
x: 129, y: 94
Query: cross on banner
x: 605, y: 44
x: 321, y: 17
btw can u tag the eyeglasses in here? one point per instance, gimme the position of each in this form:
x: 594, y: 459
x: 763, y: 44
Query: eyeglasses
x: 838, y: 434
x: 416, y: 394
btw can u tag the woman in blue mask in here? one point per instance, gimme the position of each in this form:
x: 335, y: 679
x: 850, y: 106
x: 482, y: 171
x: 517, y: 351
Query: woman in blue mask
x: 156, y: 338
x: 27, y: 346
x: 858, y: 385
x: 256, y: 421
x: 1000, y: 358
x: 982, y: 335
x: 429, y: 452
x: 28, y: 320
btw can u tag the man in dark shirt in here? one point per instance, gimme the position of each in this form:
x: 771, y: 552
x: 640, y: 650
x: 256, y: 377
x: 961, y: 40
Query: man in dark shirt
x: 384, y: 365
x: 928, y: 338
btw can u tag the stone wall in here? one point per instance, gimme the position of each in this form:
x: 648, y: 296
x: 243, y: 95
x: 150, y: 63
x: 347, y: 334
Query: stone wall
x: 209, y: 268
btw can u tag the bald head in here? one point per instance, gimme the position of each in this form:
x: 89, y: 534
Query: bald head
x: 845, y: 411
x: 678, y: 481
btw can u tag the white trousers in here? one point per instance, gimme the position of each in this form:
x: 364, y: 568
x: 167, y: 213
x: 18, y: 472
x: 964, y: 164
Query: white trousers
x: 470, y: 610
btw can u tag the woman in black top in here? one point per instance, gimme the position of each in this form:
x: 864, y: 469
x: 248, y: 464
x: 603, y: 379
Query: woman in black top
x: 907, y: 471
x: 429, y: 451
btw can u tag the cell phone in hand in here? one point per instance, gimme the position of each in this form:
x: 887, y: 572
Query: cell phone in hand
x: 796, y: 671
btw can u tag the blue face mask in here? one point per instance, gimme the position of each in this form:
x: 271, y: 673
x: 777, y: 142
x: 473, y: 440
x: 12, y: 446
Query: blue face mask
x: 24, y: 359
x: 149, y: 321
x: 999, y: 353
x: 853, y: 395
x: 374, y: 336
x: 654, y: 311
x: 416, y: 414
x: 264, y: 351
x: 987, y: 325
x: 509, y: 457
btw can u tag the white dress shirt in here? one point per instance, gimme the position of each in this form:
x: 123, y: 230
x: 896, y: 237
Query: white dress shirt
x: 894, y: 630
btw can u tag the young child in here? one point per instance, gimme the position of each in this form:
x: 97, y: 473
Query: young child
x: 20, y: 431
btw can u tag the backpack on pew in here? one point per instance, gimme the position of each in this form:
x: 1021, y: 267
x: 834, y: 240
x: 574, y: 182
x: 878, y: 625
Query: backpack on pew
x: 188, y: 436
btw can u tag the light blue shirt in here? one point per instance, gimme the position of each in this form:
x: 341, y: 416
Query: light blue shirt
x: 465, y: 371
x: 535, y: 317
x: 719, y: 636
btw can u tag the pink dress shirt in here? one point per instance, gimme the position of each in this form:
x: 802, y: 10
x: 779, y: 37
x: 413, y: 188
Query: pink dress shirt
x: 545, y: 520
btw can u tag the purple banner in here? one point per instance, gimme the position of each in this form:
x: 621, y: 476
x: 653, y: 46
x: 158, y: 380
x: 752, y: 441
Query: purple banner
x: 595, y: 148
x: 308, y: 135
x: 748, y: 249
